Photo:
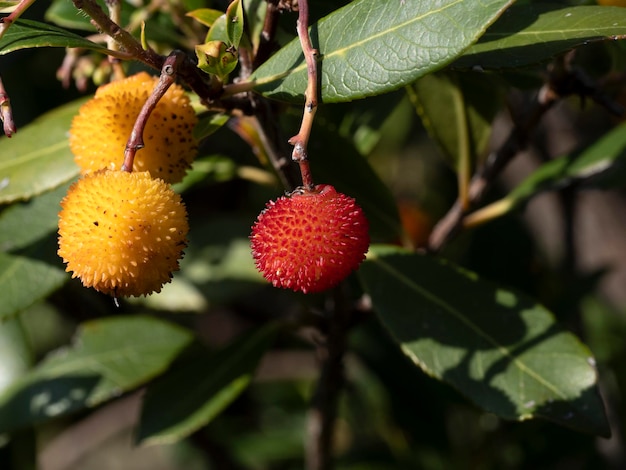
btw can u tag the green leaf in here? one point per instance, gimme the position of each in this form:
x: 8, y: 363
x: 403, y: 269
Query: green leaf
x: 371, y: 47
x: 23, y: 223
x: 205, y: 16
x: 38, y: 157
x: 16, y: 353
x: 218, y: 30
x: 216, y: 58
x: 234, y: 22
x: 109, y: 356
x: 28, y: 276
x: 200, y: 387
x: 501, y: 349
x: 453, y: 108
x: 25, y: 34
x: 66, y: 15
x: 528, y: 34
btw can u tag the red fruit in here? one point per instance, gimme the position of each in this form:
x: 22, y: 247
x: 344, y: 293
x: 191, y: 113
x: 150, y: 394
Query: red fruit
x: 310, y: 241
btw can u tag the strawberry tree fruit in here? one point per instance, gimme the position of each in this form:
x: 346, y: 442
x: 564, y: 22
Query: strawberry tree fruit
x: 311, y: 240
x: 122, y: 233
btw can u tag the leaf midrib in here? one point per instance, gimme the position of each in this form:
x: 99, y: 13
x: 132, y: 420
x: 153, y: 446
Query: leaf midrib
x: 33, y: 155
x: 467, y: 322
x: 344, y: 50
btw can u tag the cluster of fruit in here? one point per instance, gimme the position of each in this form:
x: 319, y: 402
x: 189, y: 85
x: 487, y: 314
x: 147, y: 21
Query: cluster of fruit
x: 123, y: 232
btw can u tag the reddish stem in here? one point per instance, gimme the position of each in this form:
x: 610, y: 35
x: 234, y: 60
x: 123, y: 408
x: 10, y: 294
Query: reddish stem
x: 300, y: 140
x: 167, y: 78
x: 6, y: 112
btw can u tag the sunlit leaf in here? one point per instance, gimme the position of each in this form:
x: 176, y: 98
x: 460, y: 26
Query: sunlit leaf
x: 371, y: 47
x: 495, y: 345
x: 200, y: 387
x: 205, y: 16
x: 234, y: 22
x: 109, y: 356
x: 531, y: 33
x: 25, y: 34
x: 38, y: 157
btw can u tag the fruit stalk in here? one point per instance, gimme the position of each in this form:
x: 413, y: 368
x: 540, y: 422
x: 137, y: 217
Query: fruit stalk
x: 167, y: 78
x: 301, y: 140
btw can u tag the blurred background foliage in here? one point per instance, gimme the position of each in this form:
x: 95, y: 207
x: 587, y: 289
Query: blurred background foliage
x: 565, y: 248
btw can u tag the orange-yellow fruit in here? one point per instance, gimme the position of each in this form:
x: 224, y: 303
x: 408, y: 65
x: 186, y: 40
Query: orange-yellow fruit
x: 100, y: 131
x: 122, y: 233
x: 310, y: 241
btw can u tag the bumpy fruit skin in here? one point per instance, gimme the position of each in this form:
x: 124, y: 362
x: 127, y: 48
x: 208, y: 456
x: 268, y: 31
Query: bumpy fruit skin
x: 310, y: 241
x: 122, y: 233
x: 100, y: 131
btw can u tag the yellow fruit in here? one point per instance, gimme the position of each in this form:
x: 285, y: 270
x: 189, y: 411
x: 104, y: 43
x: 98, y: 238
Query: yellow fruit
x: 100, y: 131
x: 122, y: 233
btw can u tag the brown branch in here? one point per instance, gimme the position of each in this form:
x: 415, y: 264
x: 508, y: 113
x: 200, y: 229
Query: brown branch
x: 563, y: 80
x: 323, y: 410
x: 301, y: 140
x: 6, y: 112
x: 167, y: 78
x: 267, y: 42
x: 187, y: 70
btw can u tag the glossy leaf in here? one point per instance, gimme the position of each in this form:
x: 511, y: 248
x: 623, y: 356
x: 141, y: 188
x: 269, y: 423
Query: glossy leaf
x: 109, y: 356
x: 495, y: 345
x: 25, y: 34
x: 38, y: 157
x: 371, y: 47
x: 200, y: 387
x: 234, y: 22
x: 27, y: 276
x: 528, y: 34
x: 218, y: 30
x: 205, y: 16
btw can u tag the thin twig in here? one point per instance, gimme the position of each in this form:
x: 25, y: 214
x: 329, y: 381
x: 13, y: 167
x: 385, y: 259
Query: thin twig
x: 301, y: 140
x: 187, y: 70
x: 267, y: 41
x: 323, y: 411
x: 6, y: 112
x: 563, y: 80
x: 167, y: 78
x: 15, y: 14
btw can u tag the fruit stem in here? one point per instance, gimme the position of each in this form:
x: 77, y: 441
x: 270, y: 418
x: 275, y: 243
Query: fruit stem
x: 300, y: 141
x: 167, y: 78
x: 187, y: 70
x: 6, y: 112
